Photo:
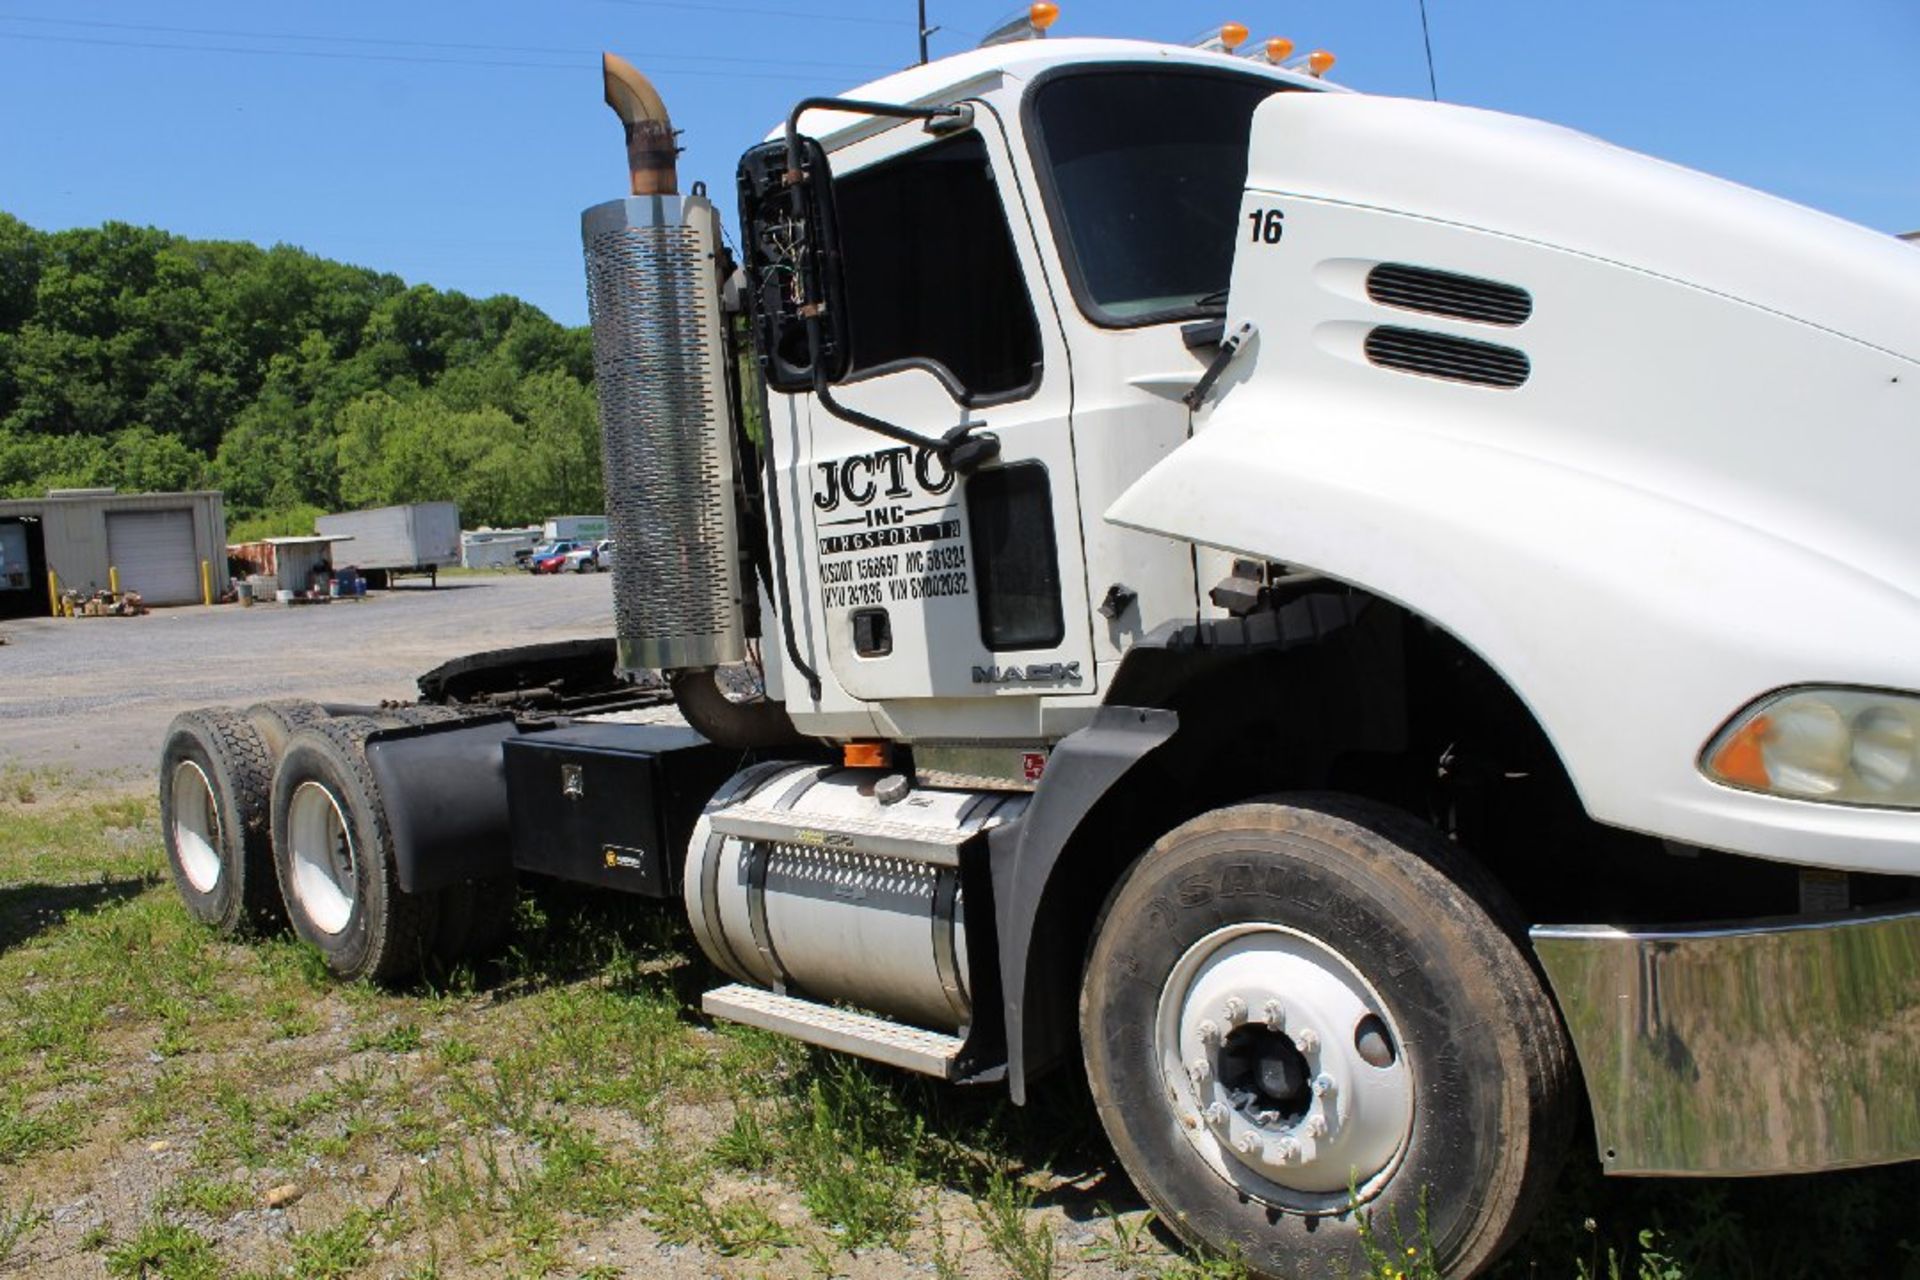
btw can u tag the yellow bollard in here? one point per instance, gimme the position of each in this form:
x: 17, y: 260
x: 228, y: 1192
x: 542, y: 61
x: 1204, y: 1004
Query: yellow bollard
x: 113, y: 580
x: 206, y: 582
x: 53, y: 592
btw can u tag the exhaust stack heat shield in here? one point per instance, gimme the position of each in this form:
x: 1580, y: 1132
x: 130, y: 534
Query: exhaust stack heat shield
x: 666, y: 431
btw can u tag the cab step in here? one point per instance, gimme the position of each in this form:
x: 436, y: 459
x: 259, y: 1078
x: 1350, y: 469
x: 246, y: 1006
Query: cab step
x: 928, y: 1052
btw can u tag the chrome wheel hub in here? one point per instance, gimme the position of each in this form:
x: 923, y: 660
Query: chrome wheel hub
x: 1284, y: 1067
x: 196, y: 825
x: 325, y: 872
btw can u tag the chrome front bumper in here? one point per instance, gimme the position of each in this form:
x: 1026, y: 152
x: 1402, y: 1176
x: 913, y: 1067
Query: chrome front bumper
x: 1747, y: 1047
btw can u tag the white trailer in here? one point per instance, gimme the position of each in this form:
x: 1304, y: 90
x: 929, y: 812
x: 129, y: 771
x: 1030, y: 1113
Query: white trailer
x: 575, y: 528
x: 1353, y: 622
x: 417, y: 539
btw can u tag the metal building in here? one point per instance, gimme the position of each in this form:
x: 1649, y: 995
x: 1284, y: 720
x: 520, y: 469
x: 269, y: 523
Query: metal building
x: 169, y: 547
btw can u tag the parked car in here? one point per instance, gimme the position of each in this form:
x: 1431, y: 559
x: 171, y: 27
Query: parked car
x: 551, y: 558
x: 590, y: 557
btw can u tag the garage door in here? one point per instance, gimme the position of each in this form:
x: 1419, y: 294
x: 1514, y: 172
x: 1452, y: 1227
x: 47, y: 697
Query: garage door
x: 153, y: 550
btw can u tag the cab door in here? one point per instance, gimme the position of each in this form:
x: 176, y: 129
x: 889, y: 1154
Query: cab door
x: 931, y: 584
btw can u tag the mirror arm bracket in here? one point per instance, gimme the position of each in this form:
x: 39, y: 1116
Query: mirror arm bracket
x: 959, y: 448
x: 939, y: 119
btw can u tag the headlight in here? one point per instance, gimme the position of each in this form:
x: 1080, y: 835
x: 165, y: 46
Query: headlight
x: 1848, y: 746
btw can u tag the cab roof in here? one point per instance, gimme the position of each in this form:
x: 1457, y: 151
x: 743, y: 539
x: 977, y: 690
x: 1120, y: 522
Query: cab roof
x: 961, y: 74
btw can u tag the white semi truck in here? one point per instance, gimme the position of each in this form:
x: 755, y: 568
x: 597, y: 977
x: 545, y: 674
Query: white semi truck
x: 1366, y: 626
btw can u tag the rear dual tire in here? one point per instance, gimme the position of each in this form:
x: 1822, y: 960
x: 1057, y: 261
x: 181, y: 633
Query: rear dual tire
x: 335, y: 857
x: 215, y: 772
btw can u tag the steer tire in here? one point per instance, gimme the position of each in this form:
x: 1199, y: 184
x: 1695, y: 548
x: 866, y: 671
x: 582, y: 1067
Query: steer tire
x: 1388, y: 916
x: 335, y: 857
x: 215, y: 776
x: 277, y: 721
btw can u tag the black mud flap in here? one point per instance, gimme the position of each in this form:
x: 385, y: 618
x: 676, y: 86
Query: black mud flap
x: 444, y: 791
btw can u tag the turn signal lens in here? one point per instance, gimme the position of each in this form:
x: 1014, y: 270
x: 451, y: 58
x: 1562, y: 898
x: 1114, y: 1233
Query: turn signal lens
x: 1232, y: 35
x: 1279, y: 49
x: 1043, y: 15
x: 867, y: 753
x: 1847, y: 746
x: 1319, y: 62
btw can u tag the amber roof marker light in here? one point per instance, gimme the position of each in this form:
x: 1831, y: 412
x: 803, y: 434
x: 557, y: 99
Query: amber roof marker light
x: 1277, y: 49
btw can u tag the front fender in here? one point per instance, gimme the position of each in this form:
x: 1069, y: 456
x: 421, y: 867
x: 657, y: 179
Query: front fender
x: 1631, y: 622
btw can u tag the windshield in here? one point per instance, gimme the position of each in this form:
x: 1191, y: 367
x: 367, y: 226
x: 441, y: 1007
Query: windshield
x: 1147, y: 169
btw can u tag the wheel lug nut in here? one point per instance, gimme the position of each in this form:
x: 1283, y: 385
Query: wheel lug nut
x: 1215, y: 1113
x: 1307, y: 1040
x: 1282, y: 1151
x: 1197, y: 1070
x: 1209, y: 1031
x: 1246, y: 1144
x: 1316, y: 1126
x: 1274, y: 1016
x: 1236, y: 1010
x: 1322, y: 1086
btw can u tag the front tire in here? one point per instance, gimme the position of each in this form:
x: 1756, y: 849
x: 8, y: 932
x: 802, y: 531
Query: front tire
x: 335, y: 857
x: 1293, y: 1006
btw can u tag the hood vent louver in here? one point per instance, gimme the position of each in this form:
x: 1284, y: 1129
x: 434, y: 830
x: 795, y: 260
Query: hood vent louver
x: 1442, y: 293
x: 1440, y: 355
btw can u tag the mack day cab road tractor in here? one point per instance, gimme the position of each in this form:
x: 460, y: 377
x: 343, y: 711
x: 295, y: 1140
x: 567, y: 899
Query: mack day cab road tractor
x: 1375, y: 630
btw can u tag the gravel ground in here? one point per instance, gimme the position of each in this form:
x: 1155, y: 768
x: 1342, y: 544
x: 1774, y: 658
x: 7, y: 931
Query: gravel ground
x: 95, y: 694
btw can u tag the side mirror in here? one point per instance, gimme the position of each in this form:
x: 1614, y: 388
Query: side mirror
x: 792, y: 251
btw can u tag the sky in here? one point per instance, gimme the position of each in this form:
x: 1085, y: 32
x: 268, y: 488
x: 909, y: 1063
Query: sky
x: 454, y: 143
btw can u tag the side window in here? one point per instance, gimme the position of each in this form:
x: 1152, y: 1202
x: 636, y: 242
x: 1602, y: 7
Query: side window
x: 931, y: 273
x: 1015, y: 562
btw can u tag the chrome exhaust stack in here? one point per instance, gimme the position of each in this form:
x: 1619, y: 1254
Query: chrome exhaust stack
x: 666, y: 423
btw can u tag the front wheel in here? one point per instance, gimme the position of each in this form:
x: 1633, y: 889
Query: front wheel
x: 1296, y: 1010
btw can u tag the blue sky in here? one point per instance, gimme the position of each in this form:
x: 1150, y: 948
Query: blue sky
x: 455, y: 143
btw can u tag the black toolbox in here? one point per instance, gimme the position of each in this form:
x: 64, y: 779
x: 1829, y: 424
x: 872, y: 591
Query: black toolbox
x: 611, y: 804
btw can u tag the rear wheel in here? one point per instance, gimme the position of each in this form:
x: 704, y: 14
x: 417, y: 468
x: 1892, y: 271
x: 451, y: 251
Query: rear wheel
x: 335, y: 857
x: 215, y: 773
x: 1294, y: 1009
x: 277, y: 721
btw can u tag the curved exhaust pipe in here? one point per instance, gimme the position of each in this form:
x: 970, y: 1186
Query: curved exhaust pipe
x: 651, y: 151
x: 753, y: 723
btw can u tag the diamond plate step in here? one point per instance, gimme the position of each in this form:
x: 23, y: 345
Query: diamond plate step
x: 909, y: 1048
x: 939, y: 847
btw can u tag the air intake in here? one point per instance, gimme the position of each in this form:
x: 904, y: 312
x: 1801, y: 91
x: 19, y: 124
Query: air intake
x: 1442, y: 293
x: 666, y: 434
x: 1440, y: 355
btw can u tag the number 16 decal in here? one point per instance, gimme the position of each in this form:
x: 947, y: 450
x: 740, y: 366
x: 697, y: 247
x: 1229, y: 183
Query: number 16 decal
x: 1268, y: 225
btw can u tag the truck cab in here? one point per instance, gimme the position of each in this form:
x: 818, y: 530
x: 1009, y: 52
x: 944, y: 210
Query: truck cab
x: 1056, y: 273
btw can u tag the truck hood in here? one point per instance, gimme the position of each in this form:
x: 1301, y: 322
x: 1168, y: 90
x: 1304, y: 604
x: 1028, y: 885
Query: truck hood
x: 1554, y: 186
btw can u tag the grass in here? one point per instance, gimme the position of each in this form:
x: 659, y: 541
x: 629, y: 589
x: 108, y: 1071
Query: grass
x: 567, y: 1112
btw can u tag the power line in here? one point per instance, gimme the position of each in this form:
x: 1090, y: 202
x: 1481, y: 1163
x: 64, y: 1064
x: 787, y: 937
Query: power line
x: 702, y: 6
x: 337, y: 55
x: 1433, y: 86
x: 411, y: 44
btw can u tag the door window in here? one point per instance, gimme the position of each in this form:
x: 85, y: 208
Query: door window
x: 931, y: 274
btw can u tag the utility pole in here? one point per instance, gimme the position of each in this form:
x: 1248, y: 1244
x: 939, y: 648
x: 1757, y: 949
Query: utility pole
x: 924, y: 32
